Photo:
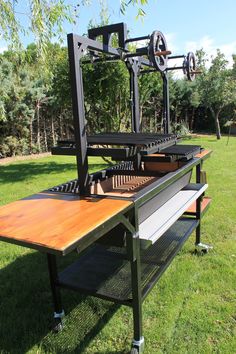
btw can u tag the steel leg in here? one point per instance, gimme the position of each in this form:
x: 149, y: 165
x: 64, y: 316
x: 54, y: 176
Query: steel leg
x: 198, y: 216
x: 133, y: 249
x: 204, y: 248
x: 56, y: 296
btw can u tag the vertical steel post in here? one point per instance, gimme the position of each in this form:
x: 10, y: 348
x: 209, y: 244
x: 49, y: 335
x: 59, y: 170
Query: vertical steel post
x: 134, y: 67
x: 56, y: 295
x: 198, y: 205
x: 133, y: 251
x: 75, y: 52
x: 166, y: 103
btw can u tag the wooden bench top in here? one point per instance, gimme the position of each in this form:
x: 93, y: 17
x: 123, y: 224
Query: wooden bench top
x: 204, y: 153
x: 55, y: 222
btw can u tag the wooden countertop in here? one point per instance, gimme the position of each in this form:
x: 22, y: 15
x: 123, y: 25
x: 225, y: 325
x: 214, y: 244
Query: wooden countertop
x: 204, y: 153
x: 55, y: 222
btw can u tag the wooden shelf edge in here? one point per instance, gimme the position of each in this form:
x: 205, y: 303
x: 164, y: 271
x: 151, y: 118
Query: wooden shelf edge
x: 206, y: 201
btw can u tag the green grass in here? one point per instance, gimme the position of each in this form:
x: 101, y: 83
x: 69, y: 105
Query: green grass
x: 192, y: 309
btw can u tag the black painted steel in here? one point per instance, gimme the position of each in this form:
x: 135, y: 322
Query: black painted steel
x: 189, y: 66
x: 187, y: 151
x: 140, y: 139
x: 53, y: 277
x: 107, y: 31
x: 116, y: 153
x: 105, y: 271
x: 134, y: 68
x: 198, y: 206
x: 137, y: 39
x: 157, y: 45
x: 125, y: 274
x: 166, y: 104
x: 75, y: 51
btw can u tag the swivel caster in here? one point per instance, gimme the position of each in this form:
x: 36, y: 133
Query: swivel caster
x: 137, y: 346
x: 202, y: 248
x: 58, y: 323
x: 57, y: 326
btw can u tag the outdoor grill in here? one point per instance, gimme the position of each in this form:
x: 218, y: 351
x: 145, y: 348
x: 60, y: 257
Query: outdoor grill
x: 128, y: 221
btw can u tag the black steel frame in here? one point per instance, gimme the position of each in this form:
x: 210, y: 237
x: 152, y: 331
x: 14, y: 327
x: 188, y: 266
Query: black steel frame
x: 129, y: 219
x: 77, y: 47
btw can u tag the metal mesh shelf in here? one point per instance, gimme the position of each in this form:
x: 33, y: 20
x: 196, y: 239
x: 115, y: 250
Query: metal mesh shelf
x: 105, y: 272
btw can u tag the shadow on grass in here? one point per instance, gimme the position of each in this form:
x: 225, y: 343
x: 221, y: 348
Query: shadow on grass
x: 26, y: 311
x: 23, y: 171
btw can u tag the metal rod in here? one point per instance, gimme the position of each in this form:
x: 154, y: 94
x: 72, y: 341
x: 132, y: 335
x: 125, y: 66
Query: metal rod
x: 166, y: 103
x: 176, y: 56
x: 101, y: 60
x: 147, y: 71
x: 137, y: 39
x: 136, y: 54
x: 175, y: 68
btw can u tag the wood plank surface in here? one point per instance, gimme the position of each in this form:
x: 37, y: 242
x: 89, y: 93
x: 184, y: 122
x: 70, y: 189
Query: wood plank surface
x: 204, y: 153
x: 55, y: 221
x: 205, y: 202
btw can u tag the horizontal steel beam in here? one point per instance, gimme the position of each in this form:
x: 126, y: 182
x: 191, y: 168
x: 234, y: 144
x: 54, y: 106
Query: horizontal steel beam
x: 94, y: 45
x: 120, y: 153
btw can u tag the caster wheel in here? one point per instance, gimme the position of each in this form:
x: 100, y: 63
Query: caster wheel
x: 134, y: 351
x: 57, y: 327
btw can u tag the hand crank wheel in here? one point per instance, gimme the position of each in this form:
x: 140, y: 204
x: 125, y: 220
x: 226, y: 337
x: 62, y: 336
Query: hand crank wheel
x: 189, y: 66
x: 157, y: 51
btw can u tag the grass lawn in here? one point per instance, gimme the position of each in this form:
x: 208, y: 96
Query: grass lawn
x: 192, y: 309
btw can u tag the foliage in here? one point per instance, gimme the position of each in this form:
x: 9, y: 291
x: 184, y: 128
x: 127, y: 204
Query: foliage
x: 46, y: 19
x: 150, y: 88
x: 35, y: 103
x: 217, y: 88
x: 181, y: 128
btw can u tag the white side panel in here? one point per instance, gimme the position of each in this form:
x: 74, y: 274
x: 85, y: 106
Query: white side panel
x: 159, y: 222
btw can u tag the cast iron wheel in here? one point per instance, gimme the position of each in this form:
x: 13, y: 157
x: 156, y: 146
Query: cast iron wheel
x: 189, y: 66
x: 157, y: 45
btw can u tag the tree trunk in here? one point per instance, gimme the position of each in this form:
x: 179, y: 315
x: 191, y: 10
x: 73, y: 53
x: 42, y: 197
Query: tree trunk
x: 53, y: 132
x: 30, y: 135
x: 141, y: 118
x: 186, y: 116
x: 38, y: 126
x: 60, y: 126
x: 45, y: 135
x: 217, y: 123
x: 193, y: 119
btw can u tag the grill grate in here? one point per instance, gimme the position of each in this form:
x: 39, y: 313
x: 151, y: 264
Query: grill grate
x: 68, y: 187
x: 146, y: 142
x: 184, y: 151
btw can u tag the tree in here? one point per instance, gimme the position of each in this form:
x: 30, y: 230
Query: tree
x: 185, y: 101
x: 45, y: 19
x: 217, y: 88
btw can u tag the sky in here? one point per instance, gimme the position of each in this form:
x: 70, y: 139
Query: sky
x: 187, y: 25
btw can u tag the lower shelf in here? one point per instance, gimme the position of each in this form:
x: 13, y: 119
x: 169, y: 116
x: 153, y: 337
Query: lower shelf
x: 206, y: 201
x: 105, y: 272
